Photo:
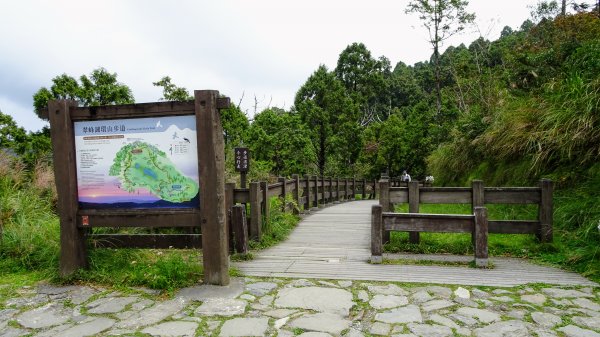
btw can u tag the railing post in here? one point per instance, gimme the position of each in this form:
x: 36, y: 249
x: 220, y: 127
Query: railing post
x: 376, y: 231
x: 323, y: 190
x: 413, y: 207
x: 283, y: 192
x: 331, y: 198
x: 477, y: 201
x: 307, y: 193
x: 364, y: 189
x: 481, y: 237
x: 316, y: 201
x: 265, y: 204
x: 296, y: 192
x: 353, y: 187
x: 384, y: 201
x: 240, y: 228
x: 229, y: 202
x: 255, y: 216
x: 337, y: 190
x: 545, y: 211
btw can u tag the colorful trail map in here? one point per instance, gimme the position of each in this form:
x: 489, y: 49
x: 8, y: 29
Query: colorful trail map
x: 137, y: 163
x: 141, y: 165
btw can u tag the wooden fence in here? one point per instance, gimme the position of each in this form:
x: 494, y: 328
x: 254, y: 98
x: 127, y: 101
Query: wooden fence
x: 308, y: 192
x: 477, y: 195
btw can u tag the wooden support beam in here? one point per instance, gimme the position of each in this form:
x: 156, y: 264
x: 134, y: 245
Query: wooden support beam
x: 211, y: 165
x: 73, y: 255
x: 316, y: 199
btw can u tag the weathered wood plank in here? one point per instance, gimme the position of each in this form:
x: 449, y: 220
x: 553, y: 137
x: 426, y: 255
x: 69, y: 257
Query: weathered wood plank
x: 149, y: 219
x: 398, y: 195
x: 241, y: 195
x: 512, y: 195
x: 513, y: 226
x: 146, y: 241
x: 444, y: 223
x: 445, y: 195
x: 134, y: 110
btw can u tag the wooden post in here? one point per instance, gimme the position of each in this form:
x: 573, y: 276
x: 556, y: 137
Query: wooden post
x: 283, y: 192
x: 481, y: 237
x: 255, y: 216
x: 229, y: 191
x: 337, y: 190
x: 307, y: 193
x: 211, y: 163
x: 243, y: 179
x: 266, y: 204
x: 376, y: 231
x: 413, y: 207
x: 477, y: 201
x: 353, y: 188
x: 316, y: 202
x: 545, y: 211
x: 73, y: 254
x: 385, y: 203
x: 296, y: 193
x: 240, y: 228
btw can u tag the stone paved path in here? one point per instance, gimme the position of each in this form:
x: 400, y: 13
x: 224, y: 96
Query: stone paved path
x: 307, y: 308
x: 334, y: 243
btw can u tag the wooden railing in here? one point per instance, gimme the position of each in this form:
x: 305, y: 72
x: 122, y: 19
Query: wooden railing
x: 444, y: 223
x: 308, y: 192
x: 477, y: 195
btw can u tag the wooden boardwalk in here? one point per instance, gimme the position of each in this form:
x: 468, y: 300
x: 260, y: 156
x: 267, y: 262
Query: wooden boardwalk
x: 334, y: 243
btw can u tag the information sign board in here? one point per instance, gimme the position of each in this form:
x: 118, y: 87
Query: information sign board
x: 242, y: 159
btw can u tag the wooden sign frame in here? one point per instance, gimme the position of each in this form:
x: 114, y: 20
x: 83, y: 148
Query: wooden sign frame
x: 210, y: 215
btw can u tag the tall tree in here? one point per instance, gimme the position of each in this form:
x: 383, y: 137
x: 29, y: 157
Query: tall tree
x: 442, y: 19
x: 171, y: 92
x: 365, y: 79
x: 100, y: 88
x: 320, y: 102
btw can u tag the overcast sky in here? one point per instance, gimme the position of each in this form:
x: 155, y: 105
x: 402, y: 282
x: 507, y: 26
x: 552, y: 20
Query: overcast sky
x: 255, y: 48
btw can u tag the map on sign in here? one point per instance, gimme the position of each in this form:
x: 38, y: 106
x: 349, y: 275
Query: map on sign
x: 137, y: 163
x: 141, y: 165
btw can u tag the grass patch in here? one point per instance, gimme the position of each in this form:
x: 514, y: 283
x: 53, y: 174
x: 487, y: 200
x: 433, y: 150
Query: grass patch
x: 416, y: 262
x: 280, y: 224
